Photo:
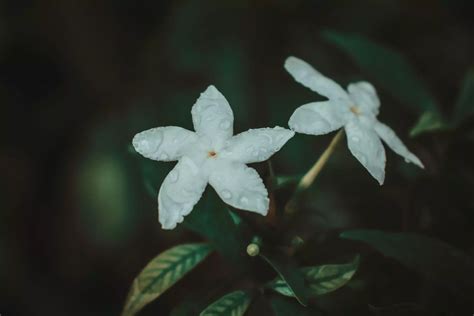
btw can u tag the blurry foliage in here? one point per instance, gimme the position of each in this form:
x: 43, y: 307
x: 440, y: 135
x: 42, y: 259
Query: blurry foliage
x: 79, y: 215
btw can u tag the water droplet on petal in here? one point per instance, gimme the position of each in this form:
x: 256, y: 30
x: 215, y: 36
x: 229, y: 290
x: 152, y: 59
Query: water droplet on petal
x: 255, y: 153
x: 164, y: 156
x: 174, y: 175
x: 225, y: 124
x: 226, y: 194
x: 244, y: 200
x: 355, y: 139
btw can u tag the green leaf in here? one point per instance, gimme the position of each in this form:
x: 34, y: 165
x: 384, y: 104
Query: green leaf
x: 428, y: 122
x: 283, y: 307
x: 465, y: 102
x: 214, y: 222
x: 320, y: 279
x: 161, y: 273
x: 388, y: 68
x: 233, y: 304
x: 432, y: 258
x: 290, y: 274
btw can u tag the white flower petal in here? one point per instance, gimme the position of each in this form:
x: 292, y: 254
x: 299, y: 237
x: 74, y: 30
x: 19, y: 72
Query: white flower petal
x: 392, y: 140
x: 212, y: 115
x: 309, y: 77
x: 240, y: 187
x: 257, y: 145
x: 316, y: 118
x: 365, y: 145
x: 365, y: 97
x: 163, y: 143
x: 180, y: 191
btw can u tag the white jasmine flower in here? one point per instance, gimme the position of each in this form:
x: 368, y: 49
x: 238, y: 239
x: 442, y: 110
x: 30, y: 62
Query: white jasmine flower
x: 355, y: 109
x: 210, y: 155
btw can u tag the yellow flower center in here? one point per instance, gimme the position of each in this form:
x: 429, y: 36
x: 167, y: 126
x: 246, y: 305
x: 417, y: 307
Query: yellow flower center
x: 212, y: 154
x: 354, y: 109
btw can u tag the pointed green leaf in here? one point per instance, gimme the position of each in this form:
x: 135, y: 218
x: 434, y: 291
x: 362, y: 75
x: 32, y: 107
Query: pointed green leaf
x: 161, y: 273
x: 390, y: 69
x: 432, y: 258
x: 320, y: 279
x: 428, y: 122
x: 290, y: 274
x: 465, y: 102
x: 232, y: 304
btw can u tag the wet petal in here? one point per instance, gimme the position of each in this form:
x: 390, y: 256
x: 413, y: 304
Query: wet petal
x: 257, y: 145
x: 365, y: 145
x: 212, y: 115
x: 240, y: 187
x: 180, y: 191
x: 392, y: 140
x: 163, y: 143
x: 309, y: 77
x: 364, y: 96
x: 316, y: 118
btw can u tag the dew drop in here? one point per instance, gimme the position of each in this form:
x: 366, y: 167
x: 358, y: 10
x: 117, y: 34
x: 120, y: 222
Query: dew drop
x: 164, y: 156
x: 174, y: 176
x: 226, y: 194
x: 244, y: 200
x: 355, y: 139
x: 255, y: 153
x: 225, y: 124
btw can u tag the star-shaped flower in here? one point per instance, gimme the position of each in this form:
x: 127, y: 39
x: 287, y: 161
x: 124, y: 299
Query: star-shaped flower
x: 355, y: 109
x: 210, y: 155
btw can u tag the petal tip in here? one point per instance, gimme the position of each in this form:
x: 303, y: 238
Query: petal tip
x: 211, y: 92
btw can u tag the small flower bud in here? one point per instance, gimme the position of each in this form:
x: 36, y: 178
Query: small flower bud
x: 253, y: 250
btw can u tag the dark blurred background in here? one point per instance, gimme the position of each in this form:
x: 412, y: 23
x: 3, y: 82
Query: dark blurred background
x: 79, y: 78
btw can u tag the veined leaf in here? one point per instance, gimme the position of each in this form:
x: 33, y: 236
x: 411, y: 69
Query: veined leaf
x: 232, y: 304
x: 432, y: 258
x: 465, y: 102
x: 291, y: 275
x: 161, y: 273
x: 428, y: 122
x: 388, y: 68
x: 320, y: 279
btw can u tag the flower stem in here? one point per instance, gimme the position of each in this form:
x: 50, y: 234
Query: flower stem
x: 311, y: 175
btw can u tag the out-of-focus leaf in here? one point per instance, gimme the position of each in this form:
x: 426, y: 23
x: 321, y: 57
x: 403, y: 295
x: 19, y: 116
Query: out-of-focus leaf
x: 282, y: 306
x: 284, y: 181
x: 233, y: 304
x: 213, y: 221
x: 390, y: 69
x: 161, y: 273
x: 432, y: 258
x: 320, y: 279
x: 428, y: 122
x: 465, y: 102
x: 289, y: 272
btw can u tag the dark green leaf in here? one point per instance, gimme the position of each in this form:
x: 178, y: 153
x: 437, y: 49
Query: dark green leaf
x: 289, y: 272
x: 428, y: 122
x: 432, y: 258
x: 388, y: 68
x: 320, y: 279
x: 465, y: 102
x: 211, y: 219
x: 282, y: 306
x: 232, y: 304
x: 161, y: 273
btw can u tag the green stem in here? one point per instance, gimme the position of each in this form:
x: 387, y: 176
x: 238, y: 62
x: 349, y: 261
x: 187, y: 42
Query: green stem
x: 312, y: 173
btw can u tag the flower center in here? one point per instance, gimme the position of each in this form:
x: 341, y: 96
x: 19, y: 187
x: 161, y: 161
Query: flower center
x: 212, y: 154
x: 354, y: 109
